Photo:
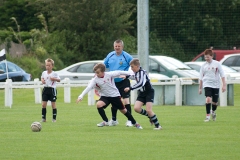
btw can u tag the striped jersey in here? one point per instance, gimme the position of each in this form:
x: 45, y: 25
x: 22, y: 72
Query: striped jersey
x: 210, y: 74
x: 105, y: 85
x: 143, y: 81
x: 46, y: 76
x: 118, y: 62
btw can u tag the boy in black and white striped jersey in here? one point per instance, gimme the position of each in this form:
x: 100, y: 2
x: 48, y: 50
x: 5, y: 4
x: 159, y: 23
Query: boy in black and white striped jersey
x: 145, y: 93
x: 49, y: 92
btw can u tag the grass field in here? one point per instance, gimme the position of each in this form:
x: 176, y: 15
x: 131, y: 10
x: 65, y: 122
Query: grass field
x: 76, y: 136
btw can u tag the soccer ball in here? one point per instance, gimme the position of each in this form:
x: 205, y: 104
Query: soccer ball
x: 36, y: 127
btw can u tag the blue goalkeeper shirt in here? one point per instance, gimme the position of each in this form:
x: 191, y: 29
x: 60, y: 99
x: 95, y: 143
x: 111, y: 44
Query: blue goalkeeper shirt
x: 118, y: 62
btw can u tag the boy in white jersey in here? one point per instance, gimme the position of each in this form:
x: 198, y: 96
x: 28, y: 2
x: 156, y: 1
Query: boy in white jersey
x: 49, y: 92
x: 210, y: 80
x: 109, y: 93
x: 145, y: 93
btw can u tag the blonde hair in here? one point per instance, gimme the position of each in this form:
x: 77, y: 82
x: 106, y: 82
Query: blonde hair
x: 118, y: 41
x: 100, y: 66
x: 49, y: 60
x: 135, y: 62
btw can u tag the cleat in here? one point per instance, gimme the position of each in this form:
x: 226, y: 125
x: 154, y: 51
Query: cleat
x: 138, y: 126
x: 214, y: 116
x: 158, y: 128
x: 113, y: 123
x: 102, y: 124
x: 129, y: 124
x: 54, y: 120
x: 43, y: 120
x: 207, y: 120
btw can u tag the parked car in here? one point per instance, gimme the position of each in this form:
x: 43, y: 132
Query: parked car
x: 170, y: 66
x: 232, y: 60
x: 15, y: 73
x: 84, y: 71
x: 217, y: 55
x: 227, y: 70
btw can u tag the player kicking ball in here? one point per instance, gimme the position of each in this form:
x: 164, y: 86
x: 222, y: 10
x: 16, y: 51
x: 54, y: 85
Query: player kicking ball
x: 109, y: 94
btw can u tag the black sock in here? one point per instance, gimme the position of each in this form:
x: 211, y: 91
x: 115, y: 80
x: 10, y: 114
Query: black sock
x: 129, y: 109
x: 54, y: 112
x: 102, y: 114
x: 144, y: 112
x: 114, y: 113
x: 208, y: 108
x: 154, y: 119
x: 44, y: 112
x: 214, y: 107
x: 130, y: 117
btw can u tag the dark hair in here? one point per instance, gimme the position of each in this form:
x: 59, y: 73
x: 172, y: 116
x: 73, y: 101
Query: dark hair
x: 208, y: 52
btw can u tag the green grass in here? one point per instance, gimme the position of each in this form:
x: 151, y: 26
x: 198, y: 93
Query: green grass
x: 76, y: 136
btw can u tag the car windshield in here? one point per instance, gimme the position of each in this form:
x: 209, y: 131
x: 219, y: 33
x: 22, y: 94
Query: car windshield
x: 172, y: 63
x: 3, y: 67
x: 228, y: 69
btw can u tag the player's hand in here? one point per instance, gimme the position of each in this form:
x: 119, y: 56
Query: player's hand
x: 78, y: 100
x: 52, y: 79
x: 223, y: 88
x: 43, y: 81
x: 126, y: 89
x: 200, y: 91
x: 122, y: 76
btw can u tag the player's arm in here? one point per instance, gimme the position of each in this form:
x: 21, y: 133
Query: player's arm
x: 118, y: 73
x: 141, y: 82
x: 200, y: 80
x: 222, y: 75
x: 106, y: 61
x: 55, y: 77
x: 43, y: 80
x: 224, y: 85
x: 86, y: 90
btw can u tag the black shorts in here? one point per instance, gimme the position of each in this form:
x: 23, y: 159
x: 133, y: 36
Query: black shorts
x: 212, y: 92
x: 49, y: 94
x: 146, y: 96
x: 121, y: 86
x: 116, y: 102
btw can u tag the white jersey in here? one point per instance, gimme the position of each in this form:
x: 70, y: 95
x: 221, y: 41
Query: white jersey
x: 46, y: 76
x: 105, y: 85
x: 210, y: 74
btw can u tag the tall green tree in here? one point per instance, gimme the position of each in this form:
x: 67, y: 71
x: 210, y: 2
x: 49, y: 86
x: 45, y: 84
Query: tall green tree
x: 24, y: 14
x: 89, y: 27
x: 197, y: 24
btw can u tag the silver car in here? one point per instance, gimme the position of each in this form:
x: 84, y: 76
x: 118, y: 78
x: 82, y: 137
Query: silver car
x: 233, y: 74
x: 84, y: 71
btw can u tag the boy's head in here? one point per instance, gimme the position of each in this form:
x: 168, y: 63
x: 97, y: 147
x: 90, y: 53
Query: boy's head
x: 99, y: 69
x: 135, y: 65
x: 208, y: 55
x: 49, y: 64
x: 118, y: 46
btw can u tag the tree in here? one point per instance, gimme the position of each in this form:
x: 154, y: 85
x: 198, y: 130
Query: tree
x: 23, y: 13
x: 89, y: 27
x: 196, y: 24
